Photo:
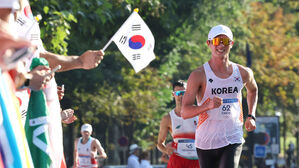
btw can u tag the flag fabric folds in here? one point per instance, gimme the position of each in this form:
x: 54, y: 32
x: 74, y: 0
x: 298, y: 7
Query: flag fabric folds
x: 13, y: 145
x: 55, y: 125
x: 1, y: 160
x: 37, y: 125
x: 135, y: 41
x: 37, y: 129
x: 50, y: 140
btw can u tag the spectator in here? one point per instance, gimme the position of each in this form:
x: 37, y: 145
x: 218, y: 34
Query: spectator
x: 133, y: 160
x: 144, y: 160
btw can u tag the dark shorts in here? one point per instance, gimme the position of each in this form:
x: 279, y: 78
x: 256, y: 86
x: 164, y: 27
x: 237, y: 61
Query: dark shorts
x: 176, y: 161
x: 225, y: 157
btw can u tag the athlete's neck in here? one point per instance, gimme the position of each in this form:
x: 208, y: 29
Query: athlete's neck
x: 84, y: 140
x: 177, y: 110
x: 220, y: 61
x: 221, y: 67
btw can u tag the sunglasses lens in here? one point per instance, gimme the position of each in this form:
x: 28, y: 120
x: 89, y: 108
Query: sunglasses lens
x: 216, y: 41
x: 225, y: 41
x: 178, y: 93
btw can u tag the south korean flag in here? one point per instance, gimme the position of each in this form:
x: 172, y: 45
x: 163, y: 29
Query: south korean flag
x: 135, y: 41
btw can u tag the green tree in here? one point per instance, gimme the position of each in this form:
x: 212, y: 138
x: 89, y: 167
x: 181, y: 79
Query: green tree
x: 275, y: 50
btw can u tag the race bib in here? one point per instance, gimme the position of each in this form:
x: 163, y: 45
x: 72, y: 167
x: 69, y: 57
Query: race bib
x: 186, y: 148
x: 84, y: 160
x: 226, y: 108
x: 227, y: 111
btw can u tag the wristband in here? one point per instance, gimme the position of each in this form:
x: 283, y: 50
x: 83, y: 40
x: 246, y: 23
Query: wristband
x: 251, y: 116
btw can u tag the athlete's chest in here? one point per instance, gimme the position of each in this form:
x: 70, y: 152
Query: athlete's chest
x: 232, y: 85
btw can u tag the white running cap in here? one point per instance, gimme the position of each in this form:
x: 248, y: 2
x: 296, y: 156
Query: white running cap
x: 218, y: 30
x: 86, y: 127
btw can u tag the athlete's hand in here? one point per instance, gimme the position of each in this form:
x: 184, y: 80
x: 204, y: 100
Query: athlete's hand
x: 250, y: 124
x: 93, y: 154
x: 169, y: 150
x: 214, y: 102
x: 75, y: 165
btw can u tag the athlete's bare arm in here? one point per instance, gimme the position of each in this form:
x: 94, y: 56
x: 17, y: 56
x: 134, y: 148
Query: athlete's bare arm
x: 252, y: 95
x: 195, y: 89
x: 75, y: 153
x: 165, y: 126
x: 97, y: 147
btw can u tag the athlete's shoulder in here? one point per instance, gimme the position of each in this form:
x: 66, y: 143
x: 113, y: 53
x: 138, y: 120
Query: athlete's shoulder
x: 166, y: 117
x: 198, y: 70
x: 197, y: 76
x: 95, y: 141
x: 245, y: 72
x: 76, y: 141
x: 243, y: 68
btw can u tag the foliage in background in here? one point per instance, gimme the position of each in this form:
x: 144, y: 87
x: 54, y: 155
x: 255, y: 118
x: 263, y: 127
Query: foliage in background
x: 113, y: 98
x: 275, y: 58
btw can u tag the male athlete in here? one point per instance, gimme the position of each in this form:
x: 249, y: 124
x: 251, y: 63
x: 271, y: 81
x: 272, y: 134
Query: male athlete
x: 217, y: 87
x: 86, y: 149
x: 182, y: 152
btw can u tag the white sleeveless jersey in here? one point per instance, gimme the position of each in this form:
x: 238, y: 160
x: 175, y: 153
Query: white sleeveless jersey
x: 183, y: 134
x: 84, y: 154
x: 221, y: 126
